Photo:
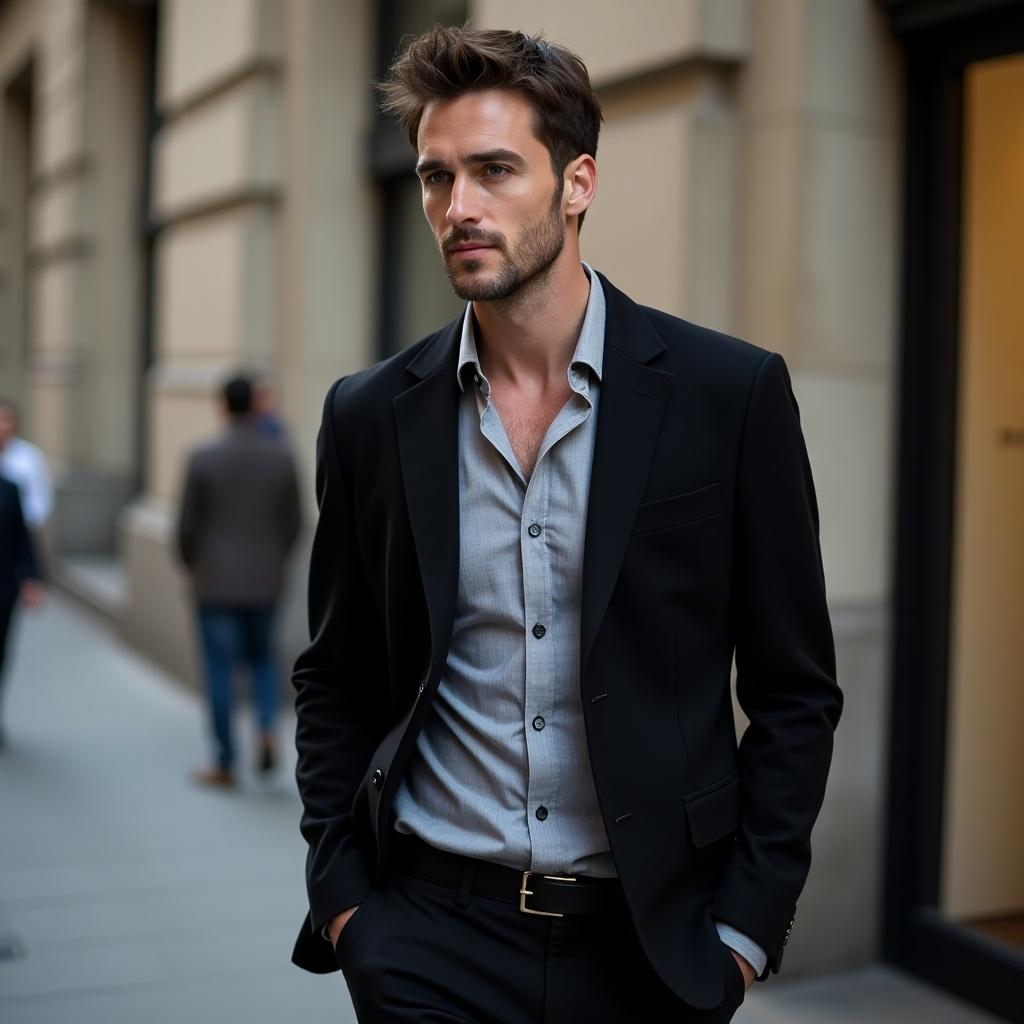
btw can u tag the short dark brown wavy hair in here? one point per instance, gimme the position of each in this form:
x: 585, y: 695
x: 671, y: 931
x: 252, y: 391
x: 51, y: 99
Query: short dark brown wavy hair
x: 448, y: 62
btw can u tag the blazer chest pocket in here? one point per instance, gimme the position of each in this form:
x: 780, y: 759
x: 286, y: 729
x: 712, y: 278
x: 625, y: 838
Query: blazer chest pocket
x: 714, y: 811
x: 678, y: 510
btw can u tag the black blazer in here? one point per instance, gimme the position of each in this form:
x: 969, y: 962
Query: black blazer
x: 702, y: 542
x: 17, y: 554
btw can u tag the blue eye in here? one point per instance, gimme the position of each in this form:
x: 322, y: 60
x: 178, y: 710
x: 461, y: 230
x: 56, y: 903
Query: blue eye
x: 495, y: 171
x: 435, y: 177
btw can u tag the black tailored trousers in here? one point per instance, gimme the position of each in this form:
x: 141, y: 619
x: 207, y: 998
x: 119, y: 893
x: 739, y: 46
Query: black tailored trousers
x: 418, y: 951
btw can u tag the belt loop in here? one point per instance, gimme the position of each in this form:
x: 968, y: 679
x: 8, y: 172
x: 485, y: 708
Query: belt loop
x: 468, y: 877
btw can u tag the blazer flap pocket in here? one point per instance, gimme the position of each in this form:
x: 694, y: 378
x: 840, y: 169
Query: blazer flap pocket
x: 678, y: 510
x: 714, y: 811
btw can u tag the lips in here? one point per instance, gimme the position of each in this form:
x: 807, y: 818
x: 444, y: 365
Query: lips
x: 469, y: 249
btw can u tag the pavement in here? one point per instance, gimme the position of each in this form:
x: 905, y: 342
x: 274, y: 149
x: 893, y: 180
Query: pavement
x: 128, y: 896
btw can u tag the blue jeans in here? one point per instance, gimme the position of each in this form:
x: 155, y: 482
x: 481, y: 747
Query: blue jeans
x: 230, y: 637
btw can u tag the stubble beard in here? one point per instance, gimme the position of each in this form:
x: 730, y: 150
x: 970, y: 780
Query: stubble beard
x: 536, y: 249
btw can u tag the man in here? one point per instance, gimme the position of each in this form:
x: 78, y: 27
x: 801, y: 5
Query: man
x: 19, y: 569
x: 24, y: 464
x: 544, y: 531
x: 239, y: 519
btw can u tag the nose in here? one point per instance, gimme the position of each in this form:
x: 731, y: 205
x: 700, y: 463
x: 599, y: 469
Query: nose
x: 463, y: 207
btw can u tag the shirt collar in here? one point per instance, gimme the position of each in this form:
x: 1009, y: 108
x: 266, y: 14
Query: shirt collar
x: 589, y: 347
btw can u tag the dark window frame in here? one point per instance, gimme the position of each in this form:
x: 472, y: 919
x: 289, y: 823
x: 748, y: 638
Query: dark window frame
x: 940, y: 40
x: 392, y: 164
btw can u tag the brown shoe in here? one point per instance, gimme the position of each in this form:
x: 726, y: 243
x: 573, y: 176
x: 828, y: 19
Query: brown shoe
x: 214, y: 778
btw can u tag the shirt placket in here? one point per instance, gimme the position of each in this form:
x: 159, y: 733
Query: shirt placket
x: 539, y: 620
x: 540, y: 633
x: 542, y: 636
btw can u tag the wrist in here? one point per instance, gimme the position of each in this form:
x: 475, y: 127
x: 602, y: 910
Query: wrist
x: 746, y: 969
x: 335, y: 925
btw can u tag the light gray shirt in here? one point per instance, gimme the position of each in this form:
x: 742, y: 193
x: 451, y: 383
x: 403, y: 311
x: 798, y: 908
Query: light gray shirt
x: 501, y: 770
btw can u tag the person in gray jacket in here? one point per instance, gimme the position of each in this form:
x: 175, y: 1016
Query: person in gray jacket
x: 238, y: 521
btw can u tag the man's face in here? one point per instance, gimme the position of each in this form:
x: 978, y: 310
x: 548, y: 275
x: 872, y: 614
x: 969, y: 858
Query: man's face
x: 489, y: 193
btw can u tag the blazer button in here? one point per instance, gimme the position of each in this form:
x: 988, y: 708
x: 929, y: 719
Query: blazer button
x: 378, y: 779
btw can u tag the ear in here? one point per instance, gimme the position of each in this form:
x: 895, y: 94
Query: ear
x: 580, y: 185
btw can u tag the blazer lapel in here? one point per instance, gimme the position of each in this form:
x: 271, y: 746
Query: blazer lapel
x: 427, y: 420
x: 633, y: 398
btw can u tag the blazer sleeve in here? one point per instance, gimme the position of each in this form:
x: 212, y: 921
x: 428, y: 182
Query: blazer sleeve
x: 785, y: 665
x: 340, y: 692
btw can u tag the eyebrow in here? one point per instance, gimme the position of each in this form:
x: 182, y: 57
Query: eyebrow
x: 489, y: 156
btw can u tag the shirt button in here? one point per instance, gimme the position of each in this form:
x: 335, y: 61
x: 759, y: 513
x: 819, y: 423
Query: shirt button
x: 542, y: 813
x: 534, y: 530
x: 539, y: 723
x: 539, y: 631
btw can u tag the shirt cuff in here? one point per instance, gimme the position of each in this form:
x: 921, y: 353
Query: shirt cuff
x: 745, y: 946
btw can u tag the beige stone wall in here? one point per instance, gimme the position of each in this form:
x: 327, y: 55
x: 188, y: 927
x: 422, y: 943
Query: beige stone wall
x: 110, y: 213
x: 331, y: 237
x: 819, y: 214
x: 663, y: 225
x: 819, y: 206
x: 266, y: 254
x: 217, y: 192
x: 57, y: 283
x: 204, y: 46
x: 74, y: 245
x: 19, y: 28
x: 622, y: 41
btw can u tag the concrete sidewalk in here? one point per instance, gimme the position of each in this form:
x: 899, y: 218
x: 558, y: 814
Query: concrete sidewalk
x: 126, y: 895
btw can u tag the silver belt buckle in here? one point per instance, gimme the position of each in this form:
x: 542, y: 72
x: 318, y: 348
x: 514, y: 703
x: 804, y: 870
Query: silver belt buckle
x: 524, y: 891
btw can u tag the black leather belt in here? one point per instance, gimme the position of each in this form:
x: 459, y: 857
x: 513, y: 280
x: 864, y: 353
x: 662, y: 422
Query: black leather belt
x: 544, y: 895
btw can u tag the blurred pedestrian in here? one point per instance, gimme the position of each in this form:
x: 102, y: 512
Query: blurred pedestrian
x: 239, y: 518
x: 24, y: 464
x: 19, y: 569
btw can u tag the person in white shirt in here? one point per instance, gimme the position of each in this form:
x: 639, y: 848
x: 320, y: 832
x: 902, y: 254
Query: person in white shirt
x: 25, y: 465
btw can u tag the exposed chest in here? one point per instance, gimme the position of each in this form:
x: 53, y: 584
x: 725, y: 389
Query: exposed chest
x: 526, y: 419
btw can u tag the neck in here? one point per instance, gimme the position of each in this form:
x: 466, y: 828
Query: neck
x: 532, y: 334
